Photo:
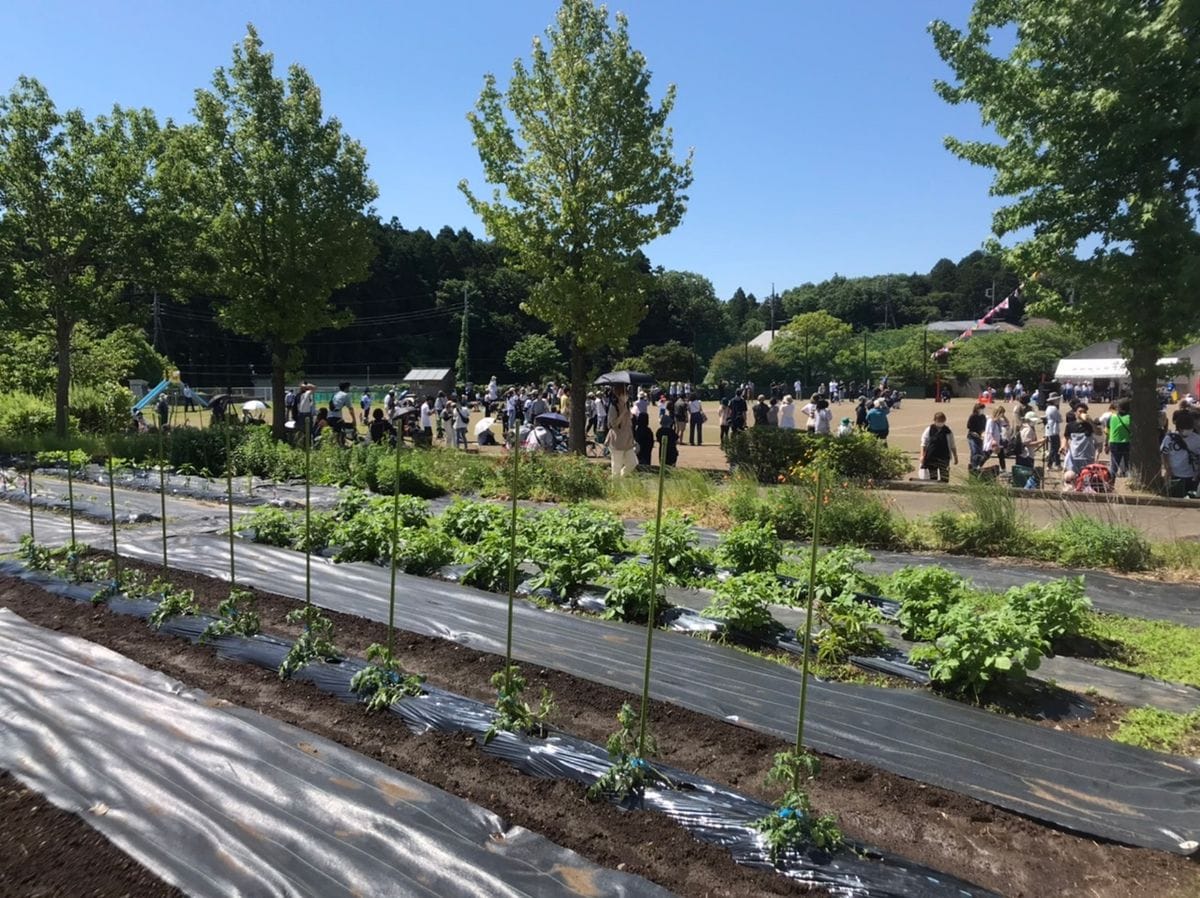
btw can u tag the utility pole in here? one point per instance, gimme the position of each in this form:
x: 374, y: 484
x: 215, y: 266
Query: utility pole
x: 157, y: 341
x: 772, y: 311
x: 464, y: 342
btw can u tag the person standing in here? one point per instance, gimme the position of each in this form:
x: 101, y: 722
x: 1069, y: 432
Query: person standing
x: 189, y: 399
x: 823, y: 422
x: 696, y: 418
x: 737, y: 413
x: 426, y: 413
x: 304, y: 405
x: 724, y: 416
x: 976, y: 425
x: 680, y: 410
x: 643, y: 436
x: 760, y: 411
x: 937, y: 449
x: 343, y: 413
x: 1081, y: 441
x: 364, y: 403
x: 1118, y: 440
x: 995, y: 435
x: 1053, y: 432
x: 787, y: 413
x: 460, y: 419
x: 619, y: 439
x: 163, y: 407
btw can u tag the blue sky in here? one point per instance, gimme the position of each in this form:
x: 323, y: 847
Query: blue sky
x: 817, y: 135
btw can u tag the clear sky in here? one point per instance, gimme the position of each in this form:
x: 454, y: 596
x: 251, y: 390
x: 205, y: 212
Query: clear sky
x: 817, y: 135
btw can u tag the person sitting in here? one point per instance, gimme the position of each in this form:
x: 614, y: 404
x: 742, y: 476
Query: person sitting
x: 540, y: 439
x: 381, y: 428
x: 321, y: 425
x: 486, y: 437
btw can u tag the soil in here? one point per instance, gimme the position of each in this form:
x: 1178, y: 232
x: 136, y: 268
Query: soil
x: 46, y: 852
x: 970, y: 839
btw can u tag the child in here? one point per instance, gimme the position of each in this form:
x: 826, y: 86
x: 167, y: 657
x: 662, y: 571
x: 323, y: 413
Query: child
x: 845, y: 429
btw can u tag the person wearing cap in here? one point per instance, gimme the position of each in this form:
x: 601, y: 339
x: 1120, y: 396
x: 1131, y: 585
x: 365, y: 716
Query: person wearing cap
x: 846, y: 428
x: 1053, y: 432
x: 1030, y: 442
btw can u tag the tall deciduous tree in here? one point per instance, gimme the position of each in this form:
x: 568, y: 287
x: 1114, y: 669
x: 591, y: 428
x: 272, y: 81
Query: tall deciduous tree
x: 285, y: 198
x: 534, y: 358
x: 72, y: 195
x: 585, y: 174
x: 1097, y: 110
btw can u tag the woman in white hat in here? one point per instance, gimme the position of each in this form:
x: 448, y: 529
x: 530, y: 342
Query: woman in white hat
x: 787, y: 413
x: 1030, y: 442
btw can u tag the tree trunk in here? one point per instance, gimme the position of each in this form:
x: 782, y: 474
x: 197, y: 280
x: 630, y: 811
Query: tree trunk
x: 1145, y: 462
x: 63, y: 328
x: 578, y: 396
x: 279, y: 356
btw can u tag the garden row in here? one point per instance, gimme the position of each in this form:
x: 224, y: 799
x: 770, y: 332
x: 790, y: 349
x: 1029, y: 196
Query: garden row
x: 973, y: 643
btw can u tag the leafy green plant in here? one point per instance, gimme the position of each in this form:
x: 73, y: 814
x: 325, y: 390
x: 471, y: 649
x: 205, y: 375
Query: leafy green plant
x: 321, y: 527
x: 602, y: 529
x: 489, y: 559
x: 1160, y: 730
x: 988, y: 525
x: 849, y: 629
x: 839, y: 571
x: 1057, y: 608
x: 628, y: 596
x: 174, y: 602
x: 315, y: 642
x: 925, y: 594
x: 630, y: 772
x: 468, y: 519
x: 272, y: 526
x: 566, y: 555
x: 235, y: 617
x: 35, y: 557
x: 751, y: 546
x: 975, y: 651
x: 794, y: 823
x: 422, y: 550
x: 384, y: 682
x: 744, y: 602
x: 513, y: 713
x: 365, y: 536
x: 682, y: 559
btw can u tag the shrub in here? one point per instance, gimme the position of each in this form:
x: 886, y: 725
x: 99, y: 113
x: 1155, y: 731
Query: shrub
x: 103, y: 408
x: 1058, y: 608
x: 926, y: 595
x: 989, y: 524
x: 197, y: 449
x: 977, y: 650
x: 744, y: 602
x: 628, y: 597
x: 260, y: 454
x: 856, y: 517
x: 604, y: 530
x: 790, y: 511
x: 24, y: 415
x: 1079, y: 540
x: 682, y: 561
x: 772, y: 453
x: 366, y: 536
x: 548, y: 478
x: 321, y: 526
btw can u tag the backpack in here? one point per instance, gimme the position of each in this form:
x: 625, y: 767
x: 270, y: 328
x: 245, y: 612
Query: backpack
x: 1013, y: 445
x: 1178, y: 443
x: 1093, y: 478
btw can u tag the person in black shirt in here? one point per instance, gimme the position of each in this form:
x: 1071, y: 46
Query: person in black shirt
x: 381, y: 428
x: 760, y: 412
x: 666, y: 435
x: 737, y: 413
x: 644, y: 437
x: 976, y: 424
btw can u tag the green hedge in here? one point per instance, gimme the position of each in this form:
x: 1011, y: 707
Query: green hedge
x: 772, y: 453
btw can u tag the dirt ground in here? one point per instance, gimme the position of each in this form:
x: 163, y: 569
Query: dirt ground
x: 975, y: 841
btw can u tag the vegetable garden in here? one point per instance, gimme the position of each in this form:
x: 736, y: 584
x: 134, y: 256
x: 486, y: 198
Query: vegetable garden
x: 921, y: 654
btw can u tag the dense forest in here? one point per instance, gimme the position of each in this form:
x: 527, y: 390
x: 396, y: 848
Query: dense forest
x: 409, y: 313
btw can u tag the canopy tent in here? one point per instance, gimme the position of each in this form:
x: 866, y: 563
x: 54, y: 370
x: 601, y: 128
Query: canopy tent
x: 1093, y: 369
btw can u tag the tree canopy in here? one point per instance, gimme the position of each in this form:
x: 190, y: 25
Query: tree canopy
x: 1096, y: 108
x: 535, y: 359
x: 73, y: 201
x: 284, y: 197
x: 584, y: 174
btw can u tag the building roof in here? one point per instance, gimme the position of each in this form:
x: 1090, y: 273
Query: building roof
x: 764, y: 340
x: 1105, y: 349
x: 427, y: 374
x: 958, y: 327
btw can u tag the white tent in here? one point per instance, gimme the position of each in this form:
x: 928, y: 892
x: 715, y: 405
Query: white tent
x: 1093, y: 369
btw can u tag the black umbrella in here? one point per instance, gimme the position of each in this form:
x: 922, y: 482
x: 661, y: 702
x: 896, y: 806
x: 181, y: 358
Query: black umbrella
x: 405, y: 410
x: 625, y: 378
x: 552, y: 419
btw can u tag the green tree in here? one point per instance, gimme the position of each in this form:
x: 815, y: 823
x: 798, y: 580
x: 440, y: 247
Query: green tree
x: 585, y: 175
x: 670, y: 361
x: 534, y: 359
x: 284, y: 197
x: 1096, y: 106
x: 810, y: 345
x: 72, y: 200
x: 741, y: 362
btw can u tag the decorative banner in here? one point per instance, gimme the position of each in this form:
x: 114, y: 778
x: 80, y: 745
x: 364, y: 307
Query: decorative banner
x: 1002, y: 306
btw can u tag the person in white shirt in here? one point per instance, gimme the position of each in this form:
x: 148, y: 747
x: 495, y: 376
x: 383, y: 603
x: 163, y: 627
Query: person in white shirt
x: 493, y: 390
x: 695, y: 421
x: 833, y: 391
x: 823, y: 419
x: 810, y: 412
x: 1053, y: 432
x: 1181, y: 454
x: 787, y: 413
x: 427, y: 418
x: 796, y: 389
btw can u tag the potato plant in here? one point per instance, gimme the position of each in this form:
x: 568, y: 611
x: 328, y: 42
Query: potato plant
x: 683, y: 561
x: 628, y: 596
x: 751, y: 546
x: 744, y: 602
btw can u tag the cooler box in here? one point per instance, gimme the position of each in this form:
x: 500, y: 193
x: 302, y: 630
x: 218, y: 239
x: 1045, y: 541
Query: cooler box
x: 1021, y: 475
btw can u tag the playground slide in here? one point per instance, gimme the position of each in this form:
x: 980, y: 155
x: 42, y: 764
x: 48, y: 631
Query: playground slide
x: 151, y: 396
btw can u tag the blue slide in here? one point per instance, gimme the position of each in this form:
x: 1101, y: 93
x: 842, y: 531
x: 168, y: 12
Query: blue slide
x: 150, y: 397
